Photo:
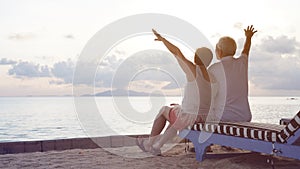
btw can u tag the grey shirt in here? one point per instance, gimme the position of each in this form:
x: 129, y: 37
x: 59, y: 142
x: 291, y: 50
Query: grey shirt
x: 230, y: 102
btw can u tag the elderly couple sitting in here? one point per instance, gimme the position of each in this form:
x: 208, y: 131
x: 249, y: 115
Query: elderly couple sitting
x: 218, y: 93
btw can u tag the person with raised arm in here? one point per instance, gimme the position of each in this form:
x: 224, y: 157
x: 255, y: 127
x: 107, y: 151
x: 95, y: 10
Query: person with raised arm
x: 231, y: 75
x: 195, y: 104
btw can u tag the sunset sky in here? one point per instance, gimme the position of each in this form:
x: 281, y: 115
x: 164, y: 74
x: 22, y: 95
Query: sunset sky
x: 41, y: 40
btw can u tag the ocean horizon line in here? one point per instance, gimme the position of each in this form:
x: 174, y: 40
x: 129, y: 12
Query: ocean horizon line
x: 32, y: 96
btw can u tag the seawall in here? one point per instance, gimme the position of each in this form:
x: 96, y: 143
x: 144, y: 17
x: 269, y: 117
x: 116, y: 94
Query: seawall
x: 66, y: 144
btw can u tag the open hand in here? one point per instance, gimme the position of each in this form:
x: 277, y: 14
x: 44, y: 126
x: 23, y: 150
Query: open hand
x: 249, y: 32
x: 158, y: 36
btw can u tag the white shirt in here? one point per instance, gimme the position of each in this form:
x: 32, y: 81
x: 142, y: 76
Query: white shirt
x: 197, y: 95
x: 196, y: 100
x: 231, y: 100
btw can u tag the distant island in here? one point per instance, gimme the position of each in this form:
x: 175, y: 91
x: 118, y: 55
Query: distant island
x: 292, y: 98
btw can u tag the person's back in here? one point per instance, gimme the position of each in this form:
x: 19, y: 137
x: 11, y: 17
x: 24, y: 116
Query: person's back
x: 231, y: 76
x: 232, y: 98
x: 197, y: 96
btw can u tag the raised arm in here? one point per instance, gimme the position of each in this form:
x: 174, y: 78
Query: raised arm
x: 187, y: 66
x: 249, y: 32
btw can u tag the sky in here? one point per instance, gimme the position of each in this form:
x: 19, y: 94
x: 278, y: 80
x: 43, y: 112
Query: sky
x: 41, y: 41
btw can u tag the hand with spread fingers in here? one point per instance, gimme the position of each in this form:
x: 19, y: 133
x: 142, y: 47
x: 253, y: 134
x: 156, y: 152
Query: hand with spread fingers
x: 249, y: 32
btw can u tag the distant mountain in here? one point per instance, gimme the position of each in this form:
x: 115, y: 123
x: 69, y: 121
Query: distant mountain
x: 121, y: 92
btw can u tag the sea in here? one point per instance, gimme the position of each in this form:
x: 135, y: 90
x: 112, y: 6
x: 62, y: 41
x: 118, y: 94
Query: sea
x: 48, y: 118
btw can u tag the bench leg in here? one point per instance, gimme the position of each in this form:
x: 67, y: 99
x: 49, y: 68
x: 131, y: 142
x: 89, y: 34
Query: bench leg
x: 200, y: 150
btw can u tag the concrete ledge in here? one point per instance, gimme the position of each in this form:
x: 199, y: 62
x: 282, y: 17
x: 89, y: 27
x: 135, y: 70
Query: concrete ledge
x: 83, y: 143
x: 32, y: 146
x: 116, y: 141
x: 12, y: 147
x: 48, y: 145
x: 129, y: 141
x: 66, y: 144
x: 104, y: 142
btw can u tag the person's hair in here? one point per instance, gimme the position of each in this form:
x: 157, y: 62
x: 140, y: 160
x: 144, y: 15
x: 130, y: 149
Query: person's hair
x: 205, y: 55
x: 227, y: 45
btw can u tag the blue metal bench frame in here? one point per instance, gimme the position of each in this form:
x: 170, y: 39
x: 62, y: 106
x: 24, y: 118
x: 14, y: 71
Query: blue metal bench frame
x: 277, y: 149
x: 203, y: 139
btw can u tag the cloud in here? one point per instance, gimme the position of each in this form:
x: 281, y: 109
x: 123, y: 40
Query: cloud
x: 5, y: 61
x: 280, y: 45
x: 57, y: 82
x: 151, y: 66
x: 69, y: 36
x: 148, y: 65
x: 28, y: 69
x: 275, y: 67
x: 271, y: 67
x: 238, y: 25
x: 63, y: 70
x: 21, y: 36
x: 149, y: 85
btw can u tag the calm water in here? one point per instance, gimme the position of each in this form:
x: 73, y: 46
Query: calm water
x: 40, y: 118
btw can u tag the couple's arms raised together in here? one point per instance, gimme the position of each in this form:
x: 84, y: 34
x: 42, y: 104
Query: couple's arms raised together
x: 189, y: 67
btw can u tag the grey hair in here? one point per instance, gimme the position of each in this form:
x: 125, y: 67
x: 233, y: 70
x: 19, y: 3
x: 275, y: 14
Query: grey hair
x: 227, y: 45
